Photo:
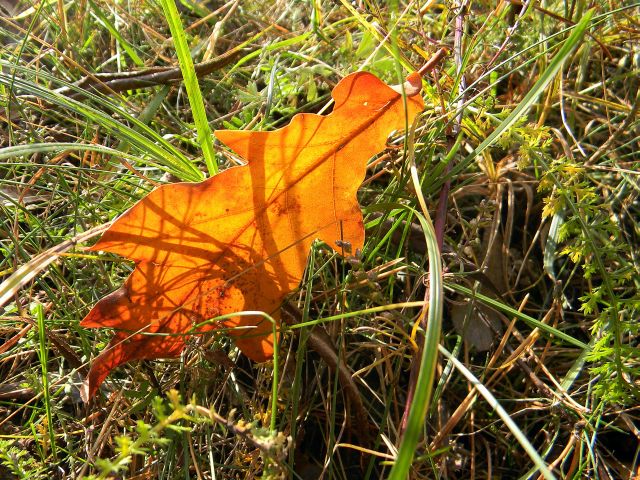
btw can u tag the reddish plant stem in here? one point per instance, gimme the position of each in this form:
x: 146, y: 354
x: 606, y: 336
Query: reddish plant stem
x: 433, y: 62
x: 441, y: 212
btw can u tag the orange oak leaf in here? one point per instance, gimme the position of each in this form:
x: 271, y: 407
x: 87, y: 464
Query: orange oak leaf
x: 239, y: 241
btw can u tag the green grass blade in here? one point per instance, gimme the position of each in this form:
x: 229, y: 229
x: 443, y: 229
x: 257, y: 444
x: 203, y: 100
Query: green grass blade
x: 548, y: 329
x: 55, y: 147
x: 43, y: 353
x: 148, y: 142
x: 205, y: 136
x: 424, y: 384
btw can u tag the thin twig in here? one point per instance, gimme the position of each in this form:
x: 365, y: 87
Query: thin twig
x: 149, y: 77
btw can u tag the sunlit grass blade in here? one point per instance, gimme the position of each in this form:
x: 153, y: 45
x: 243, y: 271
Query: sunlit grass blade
x: 433, y: 312
x: 205, y: 135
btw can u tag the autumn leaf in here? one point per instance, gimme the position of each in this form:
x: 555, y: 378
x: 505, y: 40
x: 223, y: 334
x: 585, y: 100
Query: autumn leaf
x: 239, y: 241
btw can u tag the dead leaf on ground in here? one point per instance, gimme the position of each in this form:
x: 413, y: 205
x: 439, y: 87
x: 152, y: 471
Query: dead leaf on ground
x: 239, y: 240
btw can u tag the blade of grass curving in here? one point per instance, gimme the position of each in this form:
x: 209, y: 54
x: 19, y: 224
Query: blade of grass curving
x: 56, y: 147
x: 530, y: 98
x: 433, y: 311
x: 33, y: 267
x: 205, y: 136
x: 504, y: 415
x: 426, y: 375
x: 356, y: 313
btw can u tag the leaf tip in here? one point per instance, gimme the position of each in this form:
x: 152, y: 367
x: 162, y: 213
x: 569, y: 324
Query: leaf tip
x: 412, y: 85
x: 414, y: 81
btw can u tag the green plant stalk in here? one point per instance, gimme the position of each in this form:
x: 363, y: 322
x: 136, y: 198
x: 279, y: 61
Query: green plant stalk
x: 426, y: 376
x: 205, y: 135
x: 275, y: 378
x: 44, y: 357
x: 426, y: 373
